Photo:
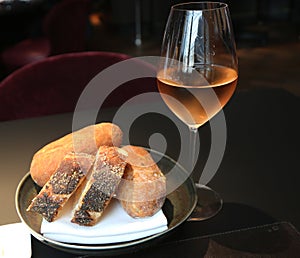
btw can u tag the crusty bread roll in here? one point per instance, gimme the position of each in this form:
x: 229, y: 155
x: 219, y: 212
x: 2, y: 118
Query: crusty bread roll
x: 142, y: 191
x: 94, y: 195
x: 62, y: 185
x: 86, y: 140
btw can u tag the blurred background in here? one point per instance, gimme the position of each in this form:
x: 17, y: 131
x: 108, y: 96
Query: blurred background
x: 267, y: 33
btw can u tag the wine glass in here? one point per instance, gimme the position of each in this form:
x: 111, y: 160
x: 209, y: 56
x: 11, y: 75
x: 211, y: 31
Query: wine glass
x: 197, y: 75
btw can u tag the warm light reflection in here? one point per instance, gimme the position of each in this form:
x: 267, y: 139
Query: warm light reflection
x: 95, y: 19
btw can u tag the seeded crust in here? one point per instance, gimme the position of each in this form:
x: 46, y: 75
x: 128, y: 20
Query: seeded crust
x: 61, y: 185
x: 143, y: 189
x: 95, y: 194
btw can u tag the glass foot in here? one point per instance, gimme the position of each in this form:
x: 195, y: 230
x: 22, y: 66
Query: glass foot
x: 208, y: 205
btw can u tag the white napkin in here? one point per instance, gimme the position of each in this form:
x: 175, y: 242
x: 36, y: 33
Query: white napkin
x: 115, y: 226
x: 15, y: 241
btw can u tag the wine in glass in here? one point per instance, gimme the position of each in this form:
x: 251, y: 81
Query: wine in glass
x: 198, y: 74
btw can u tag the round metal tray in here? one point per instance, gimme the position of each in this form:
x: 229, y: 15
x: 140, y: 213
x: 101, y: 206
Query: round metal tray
x: 178, y: 206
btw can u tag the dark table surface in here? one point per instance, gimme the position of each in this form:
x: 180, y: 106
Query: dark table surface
x: 258, y: 178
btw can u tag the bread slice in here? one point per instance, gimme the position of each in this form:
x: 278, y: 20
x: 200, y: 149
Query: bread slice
x: 61, y: 185
x: 142, y: 191
x: 94, y: 196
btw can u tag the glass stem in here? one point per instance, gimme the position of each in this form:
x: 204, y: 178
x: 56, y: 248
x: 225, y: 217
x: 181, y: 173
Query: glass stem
x: 192, y: 151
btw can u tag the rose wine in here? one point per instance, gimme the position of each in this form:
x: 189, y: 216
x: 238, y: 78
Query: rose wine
x: 197, y: 94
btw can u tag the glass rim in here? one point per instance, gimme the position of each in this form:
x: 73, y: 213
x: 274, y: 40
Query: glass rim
x: 201, y: 6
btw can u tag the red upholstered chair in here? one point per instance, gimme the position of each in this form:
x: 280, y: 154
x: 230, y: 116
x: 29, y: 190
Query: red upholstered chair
x: 64, y: 28
x: 53, y: 85
x: 25, y: 52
